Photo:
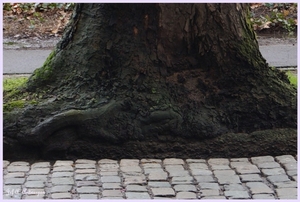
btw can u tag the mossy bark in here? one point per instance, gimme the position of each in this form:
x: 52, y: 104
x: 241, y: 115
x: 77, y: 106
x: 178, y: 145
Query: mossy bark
x: 129, y: 80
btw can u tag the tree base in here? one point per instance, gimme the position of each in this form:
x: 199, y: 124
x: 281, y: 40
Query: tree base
x: 232, y: 145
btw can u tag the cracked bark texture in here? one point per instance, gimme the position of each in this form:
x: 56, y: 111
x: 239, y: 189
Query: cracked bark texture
x: 155, y: 80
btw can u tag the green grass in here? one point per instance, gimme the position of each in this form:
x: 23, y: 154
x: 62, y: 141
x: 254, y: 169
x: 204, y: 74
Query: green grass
x: 292, y: 77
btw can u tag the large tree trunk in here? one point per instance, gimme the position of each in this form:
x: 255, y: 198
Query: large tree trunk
x: 155, y: 80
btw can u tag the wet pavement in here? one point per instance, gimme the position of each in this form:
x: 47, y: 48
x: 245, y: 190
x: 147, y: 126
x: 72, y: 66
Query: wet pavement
x: 263, y: 177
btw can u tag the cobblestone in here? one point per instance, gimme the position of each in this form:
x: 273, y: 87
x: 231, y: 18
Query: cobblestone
x: 262, y: 177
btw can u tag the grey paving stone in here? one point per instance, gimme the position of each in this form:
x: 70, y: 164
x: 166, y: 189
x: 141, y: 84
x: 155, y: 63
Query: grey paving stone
x: 140, y: 180
x: 159, y: 184
x: 5, y: 163
x: 223, y: 172
x: 88, y: 196
x: 273, y: 171
x: 151, y: 170
x: 62, y: 181
x: 163, y: 198
x: 87, y: 177
x: 65, y: 168
x: 113, y: 178
x: 109, y: 167
x: 259, y: 188
x: 137, y: 195
x: 289, y: 184
x: 86, y: 183
x: 228, y: 179
x: 14, y: 175
x: 175, y: 167
x: 209, y: 192
x: 173, y: 161
x: 83, y: 171
x: 205, y: 178
x: 218, y: 161
x: 35, y: 184
x: 157, y: 176
x: 62, y: 174
x: 19, y: 163
x: 163, y: 191
x: 185, y: 188
x: 41, y: 165
x: 129, y: 162
x: 151, y: 161
x: 195, y: 160
x: 33, y: 197
x: 294, y: 177
x: 247, y: 169
x: 292, y: 172
x: 214, y: 198
x: 151, y: 165
x: 112, y: 198
x: 14, y: 181
x: 85, y: 161
x: 105, y: 173
x: 37, y: 178
x: 234, y: 187
x: 260, y: 159
x: 88, y: 190
x: 272, y: 164
x: 107, y: 161
x: 39, y: 171
x: 61, y: 188
x: 286, y: 159
x: 286, y: 193
x: 177, y: 173
x: 63, y: 163
x: 198, y: 166
x: 130, y: 169
x: 235, y: 164
x: 112, y: 185
x: 14, y: 197
x: 220, y: 167
x: 278, y: 178
x: 239, y: 160
x: 197, y: 172
x: 136, y: 188
x: 186, y: 195
x: 182, y: 180
x: 263, y: 196
x: 61, y: 196
x: 251, y: 178
x: 20, y: 168
x: 237, y: 194
x: 85, y: 166
x: 112, y: 193
x: 209, y: 186
x: 290, y: 166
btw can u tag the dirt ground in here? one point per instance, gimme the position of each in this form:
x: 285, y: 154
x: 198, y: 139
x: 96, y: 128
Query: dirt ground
x: 49, y: 25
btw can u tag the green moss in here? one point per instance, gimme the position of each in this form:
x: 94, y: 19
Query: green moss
x: 14, y: 94
x: 10, y: 84
x: 13, y: 104
x: 43, y: 74
x: 292, y: 78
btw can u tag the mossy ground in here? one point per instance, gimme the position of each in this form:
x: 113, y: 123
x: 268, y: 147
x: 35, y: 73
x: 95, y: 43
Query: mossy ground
x: 14, y: 95
x: 292, y: 77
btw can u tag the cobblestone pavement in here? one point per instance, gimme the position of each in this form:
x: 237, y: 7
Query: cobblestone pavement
x: 263, y: 177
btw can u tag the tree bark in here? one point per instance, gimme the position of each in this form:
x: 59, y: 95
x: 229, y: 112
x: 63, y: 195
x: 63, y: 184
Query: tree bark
x: 128, y: 77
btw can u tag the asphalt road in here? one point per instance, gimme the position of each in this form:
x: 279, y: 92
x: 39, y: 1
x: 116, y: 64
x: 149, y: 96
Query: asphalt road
x: 26, y: 61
